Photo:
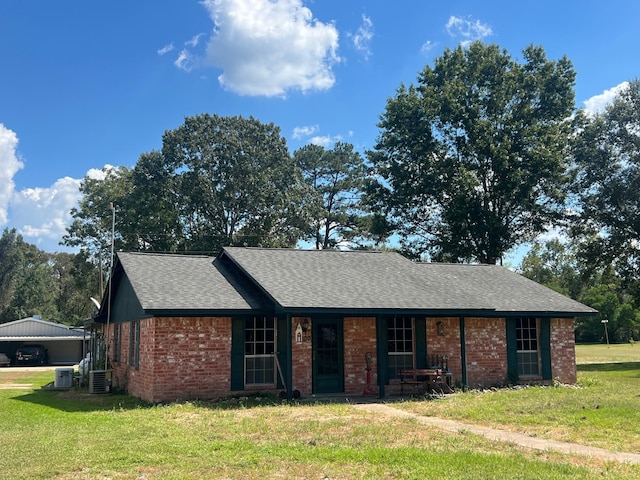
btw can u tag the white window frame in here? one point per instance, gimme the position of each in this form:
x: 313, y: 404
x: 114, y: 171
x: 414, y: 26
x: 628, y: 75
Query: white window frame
x: 403, y: 341
x: 257, y: 349
x: 528, y: 337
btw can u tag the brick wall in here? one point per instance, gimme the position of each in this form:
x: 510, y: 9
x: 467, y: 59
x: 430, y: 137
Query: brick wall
x: 563, y: 354
x: 185, y: 357
x: 301, y: 358
x: 180, y: 357
x: 447, y: 344
x: 486, y: 349
x: 359, y: 338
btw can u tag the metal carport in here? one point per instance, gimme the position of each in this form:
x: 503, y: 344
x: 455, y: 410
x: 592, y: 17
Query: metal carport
x: 66, y: 345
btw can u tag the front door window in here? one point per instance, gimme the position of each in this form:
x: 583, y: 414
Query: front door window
x: 327, y: 356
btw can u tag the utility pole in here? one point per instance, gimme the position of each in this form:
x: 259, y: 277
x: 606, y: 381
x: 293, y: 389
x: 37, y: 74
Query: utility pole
x: 606, y: 332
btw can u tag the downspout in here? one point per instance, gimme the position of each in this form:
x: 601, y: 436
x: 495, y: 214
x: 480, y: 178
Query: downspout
x: 463, y: 351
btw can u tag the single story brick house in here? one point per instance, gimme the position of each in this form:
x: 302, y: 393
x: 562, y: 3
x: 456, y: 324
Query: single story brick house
x: 313, y: 321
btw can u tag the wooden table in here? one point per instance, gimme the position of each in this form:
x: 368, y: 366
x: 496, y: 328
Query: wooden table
x: 432, y: 380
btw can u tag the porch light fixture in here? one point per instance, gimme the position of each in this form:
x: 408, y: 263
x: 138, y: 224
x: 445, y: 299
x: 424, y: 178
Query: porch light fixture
x: 305, y: 325
x: 440, y: 329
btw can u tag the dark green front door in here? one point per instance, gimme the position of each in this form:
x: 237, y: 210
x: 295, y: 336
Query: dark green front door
x: 328, y: 368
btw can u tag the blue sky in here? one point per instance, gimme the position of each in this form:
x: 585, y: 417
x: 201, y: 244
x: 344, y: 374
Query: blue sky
x: 85, y: 84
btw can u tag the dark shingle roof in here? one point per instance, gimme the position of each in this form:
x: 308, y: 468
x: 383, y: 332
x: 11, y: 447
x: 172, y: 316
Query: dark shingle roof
x: 366, y: 280
x: 503, y: 289
x: 251, y: 279
x: 185, y: 282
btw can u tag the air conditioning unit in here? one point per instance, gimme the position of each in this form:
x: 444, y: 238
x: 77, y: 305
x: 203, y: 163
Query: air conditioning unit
x: 99, y: 381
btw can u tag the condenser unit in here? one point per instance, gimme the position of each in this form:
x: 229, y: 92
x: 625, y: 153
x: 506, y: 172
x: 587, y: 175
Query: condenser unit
x: 99, y: 381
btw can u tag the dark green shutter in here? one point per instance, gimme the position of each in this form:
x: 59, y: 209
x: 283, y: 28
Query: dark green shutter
x: 282, y: 348
x: 545, y: 347
x: 382, y: 352
x: 421, y: 342
x: 512, y: 350
x: 237, y: 353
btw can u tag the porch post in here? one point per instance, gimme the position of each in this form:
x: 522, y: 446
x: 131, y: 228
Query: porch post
x: 463, y: 351
x: 381, y: 362
x: 289, y: 359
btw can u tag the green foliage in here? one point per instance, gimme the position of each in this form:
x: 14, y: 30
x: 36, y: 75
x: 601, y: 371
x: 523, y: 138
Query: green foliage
x: 472, y: 160
x: 235, y: 183
x: 556, y: 266
x: 336, y: 180
x: 606, y: 149
x: 91, y: 228
x: 56, y: 286
x: 217, y: 181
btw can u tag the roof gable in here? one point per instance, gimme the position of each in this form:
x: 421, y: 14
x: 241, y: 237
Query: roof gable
x: 185, y: 282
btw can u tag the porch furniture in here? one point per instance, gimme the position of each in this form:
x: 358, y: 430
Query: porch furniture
x: 431, y: 380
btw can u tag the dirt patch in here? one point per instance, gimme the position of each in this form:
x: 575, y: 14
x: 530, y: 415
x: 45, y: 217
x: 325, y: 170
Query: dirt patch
x: 16, y: 386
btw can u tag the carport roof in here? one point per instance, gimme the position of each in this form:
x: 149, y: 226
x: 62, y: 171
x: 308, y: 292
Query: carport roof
x: 32, y: 329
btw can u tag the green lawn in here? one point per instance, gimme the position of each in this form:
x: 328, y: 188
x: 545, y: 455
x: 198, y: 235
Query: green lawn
x: 602, y: 410
x: 71, y: 435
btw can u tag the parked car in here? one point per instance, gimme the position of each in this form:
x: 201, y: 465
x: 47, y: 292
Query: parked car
x: 32, y: 355
x: 4, y: 360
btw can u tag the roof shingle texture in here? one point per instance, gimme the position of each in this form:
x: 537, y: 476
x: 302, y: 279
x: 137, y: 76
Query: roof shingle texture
x: 334, y: 280
x: 385, y: 280
x: 184, y: 282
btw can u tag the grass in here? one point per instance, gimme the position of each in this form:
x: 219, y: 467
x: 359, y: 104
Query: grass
x: 71, y: 435
x: 602, y: 410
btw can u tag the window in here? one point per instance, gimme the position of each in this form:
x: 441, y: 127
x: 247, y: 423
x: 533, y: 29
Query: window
x: 117, y: 335
x: 134, y: 344
x: 399, y: 344
x: 527, y: 341
x: 259, y: 351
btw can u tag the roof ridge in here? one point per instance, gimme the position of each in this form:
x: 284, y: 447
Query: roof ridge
x: 172, y: 254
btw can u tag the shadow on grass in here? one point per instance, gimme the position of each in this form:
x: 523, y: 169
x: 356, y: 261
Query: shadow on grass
x: 609, y: 367
x: 78, y: 400
x: 81, y: 401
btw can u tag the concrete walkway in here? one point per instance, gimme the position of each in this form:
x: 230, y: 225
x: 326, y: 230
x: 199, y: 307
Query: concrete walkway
x: 505, y: 436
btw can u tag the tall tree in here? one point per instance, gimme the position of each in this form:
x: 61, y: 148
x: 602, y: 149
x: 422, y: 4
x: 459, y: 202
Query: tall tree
x: 471, y: 161
x: 606, y: 220
x: 554, y: 264
x: 91, y: 229
x: 9, y: 264
x: 235, y: 181
x: 336, y: 179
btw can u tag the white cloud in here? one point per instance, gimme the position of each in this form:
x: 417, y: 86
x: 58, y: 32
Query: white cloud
x: 194, y: 40
x: 598, y: 103
x: 42, y: 215
x: 10, y: 164
x: 305, y: 131
x: 184, y: 61
x: 363, y: 36
x: 467, y: 30
x: 325, y: 140
x: 427, y: 47
x: 270, y: 47
x: 165, y: 49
